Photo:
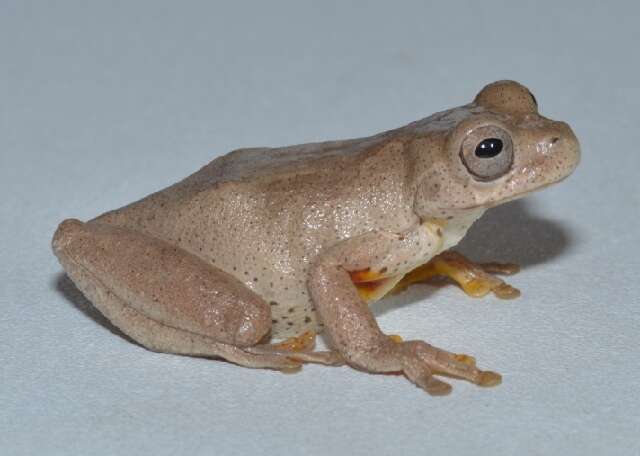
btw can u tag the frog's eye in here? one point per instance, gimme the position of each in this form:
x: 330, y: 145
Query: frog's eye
x: 487, y: 152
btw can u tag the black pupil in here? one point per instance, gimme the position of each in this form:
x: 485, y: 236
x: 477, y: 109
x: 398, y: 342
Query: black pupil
x: 489, y: 148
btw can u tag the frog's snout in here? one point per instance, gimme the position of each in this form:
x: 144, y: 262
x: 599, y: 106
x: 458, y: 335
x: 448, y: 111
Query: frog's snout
x: 566, y: 149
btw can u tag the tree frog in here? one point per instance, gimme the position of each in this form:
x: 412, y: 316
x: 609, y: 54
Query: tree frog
x: 251, y: 256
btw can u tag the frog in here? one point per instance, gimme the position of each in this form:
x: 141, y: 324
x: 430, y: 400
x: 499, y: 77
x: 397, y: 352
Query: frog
x: 252, y: 256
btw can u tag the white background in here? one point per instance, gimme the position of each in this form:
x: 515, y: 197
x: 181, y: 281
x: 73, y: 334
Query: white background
x: 102, y: 103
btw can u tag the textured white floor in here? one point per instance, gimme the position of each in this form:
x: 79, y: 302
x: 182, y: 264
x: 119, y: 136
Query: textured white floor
x: 102, y: 103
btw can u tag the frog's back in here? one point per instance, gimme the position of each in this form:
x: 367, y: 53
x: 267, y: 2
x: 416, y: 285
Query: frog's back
x: 240, y: 173
x: 263, y: 165
x: 234, y: 181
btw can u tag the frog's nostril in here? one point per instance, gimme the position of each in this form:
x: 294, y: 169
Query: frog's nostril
x: 555, y: 139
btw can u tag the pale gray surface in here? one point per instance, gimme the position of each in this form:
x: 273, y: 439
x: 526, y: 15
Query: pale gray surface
x: 102, y: 104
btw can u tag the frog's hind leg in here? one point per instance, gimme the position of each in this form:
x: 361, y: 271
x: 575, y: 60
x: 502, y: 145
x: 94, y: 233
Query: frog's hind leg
x: 162, y: 338
x: 165, y: 298
x: 476, y: 280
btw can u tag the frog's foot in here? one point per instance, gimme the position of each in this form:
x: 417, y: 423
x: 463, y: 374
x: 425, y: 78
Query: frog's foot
x: 299, y: 349
x: 476, y: 280
x: 423, y: 362
x: 457, y: 368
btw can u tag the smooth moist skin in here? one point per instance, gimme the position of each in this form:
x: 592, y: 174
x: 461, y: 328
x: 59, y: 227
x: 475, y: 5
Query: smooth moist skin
x: 268, y: 243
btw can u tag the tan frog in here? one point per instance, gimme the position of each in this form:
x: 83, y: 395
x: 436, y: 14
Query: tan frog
x: 264, y: 244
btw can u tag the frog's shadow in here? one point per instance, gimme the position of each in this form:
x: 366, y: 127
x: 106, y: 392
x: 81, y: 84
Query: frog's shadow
x: 508, y: 233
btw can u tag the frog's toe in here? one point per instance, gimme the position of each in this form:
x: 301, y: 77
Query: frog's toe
x: 489, y: 379
x: 506, y: 291
x: 327, y: 358
x: 267, y: 361
x: 465, y: 359
x: 299, y: 349
x: 484, y: 283
x: 500, y: 268
x: 436, y: 387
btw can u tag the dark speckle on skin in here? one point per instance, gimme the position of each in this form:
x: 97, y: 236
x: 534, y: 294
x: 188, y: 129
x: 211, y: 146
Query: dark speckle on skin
x: 269, y: 214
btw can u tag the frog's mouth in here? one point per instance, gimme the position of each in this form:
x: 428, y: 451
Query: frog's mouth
x: 522, y: 194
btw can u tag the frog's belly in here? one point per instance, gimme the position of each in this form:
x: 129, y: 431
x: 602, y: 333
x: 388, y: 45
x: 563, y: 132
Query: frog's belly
x: 294, y: 315
x: 292, y: 311
x: 372, y: 287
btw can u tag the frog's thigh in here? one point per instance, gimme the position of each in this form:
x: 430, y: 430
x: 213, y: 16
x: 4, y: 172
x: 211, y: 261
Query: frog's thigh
x: 164, y: 297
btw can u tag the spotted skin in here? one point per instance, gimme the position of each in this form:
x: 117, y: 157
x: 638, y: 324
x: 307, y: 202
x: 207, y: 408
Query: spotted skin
x: 279, y: 242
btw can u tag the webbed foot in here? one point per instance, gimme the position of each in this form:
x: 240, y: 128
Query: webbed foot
x: 422, y: 361
x: 476, y: 280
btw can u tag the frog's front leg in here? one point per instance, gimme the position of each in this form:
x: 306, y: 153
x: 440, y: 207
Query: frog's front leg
x: 354, y: 331
x: 167, y: 299
x: 476, y: 280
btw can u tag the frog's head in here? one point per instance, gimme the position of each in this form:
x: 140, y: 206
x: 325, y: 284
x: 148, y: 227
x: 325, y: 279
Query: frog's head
x: 493, y: 150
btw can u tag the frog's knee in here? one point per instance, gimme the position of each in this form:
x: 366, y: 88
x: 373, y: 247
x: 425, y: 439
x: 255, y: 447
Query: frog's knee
x: 67, y: 231
x: 254, y: 325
